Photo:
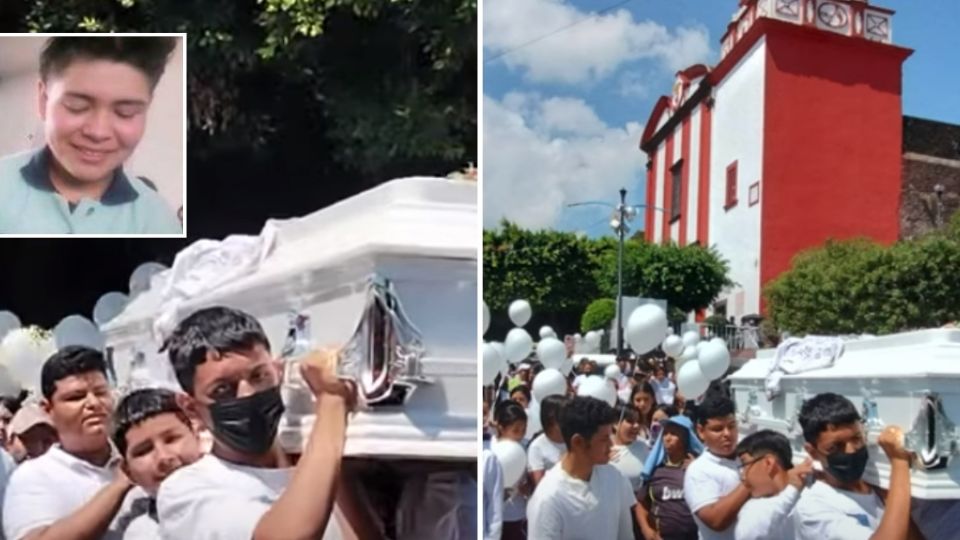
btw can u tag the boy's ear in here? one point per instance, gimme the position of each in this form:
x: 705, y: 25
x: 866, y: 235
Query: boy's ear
x: 124, y: 467
x: 42, y: 100
x: 811, y: 451
x: 46, y: 405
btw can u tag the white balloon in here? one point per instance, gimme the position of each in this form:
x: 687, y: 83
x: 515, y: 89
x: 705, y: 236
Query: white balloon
x: 502, y: 351
x: 551, y: 352
x: 598, y: 387
x: 140, y: 278
x: 109, y: 306
x: 520, y: 312
x: 612, y: 372
x: 720, y: 341
x: 714, y: 360
x: 486, y: 318
x: 513, y: 460
x: 592, y: 340
x: 492, y: 364
x: 700, y: 346
x: 691, y: 382
x: 533, y: 420
x: 549, y: 382
x: 8, y: 386
x: 567, y: 366
x: 517, y: 345
x: 23, y: 352
x: 77, y: 330
x: 672, y: 346
x: 546, y: 331
x: 8, y: 322
x: 691, y: 337
x: 689, y: 353
x: 646, y: 327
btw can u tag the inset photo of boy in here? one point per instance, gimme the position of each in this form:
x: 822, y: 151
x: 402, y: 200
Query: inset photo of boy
x: 92, y: 141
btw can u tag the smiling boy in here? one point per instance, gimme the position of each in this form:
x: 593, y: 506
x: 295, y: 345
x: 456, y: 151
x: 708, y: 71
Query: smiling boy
x: 93, y: 97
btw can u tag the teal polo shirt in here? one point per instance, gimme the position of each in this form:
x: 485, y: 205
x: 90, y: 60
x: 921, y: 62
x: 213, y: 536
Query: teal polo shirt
x: 29, y: 204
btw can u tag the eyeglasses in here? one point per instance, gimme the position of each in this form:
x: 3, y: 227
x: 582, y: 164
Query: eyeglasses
x: 742, y: 468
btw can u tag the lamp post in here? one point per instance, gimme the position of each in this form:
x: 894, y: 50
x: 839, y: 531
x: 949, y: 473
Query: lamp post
x: 620, y: 223
x: 939, y: 189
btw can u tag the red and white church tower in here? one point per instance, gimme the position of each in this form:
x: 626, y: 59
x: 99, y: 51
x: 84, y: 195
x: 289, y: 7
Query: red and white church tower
x: 793, y: 138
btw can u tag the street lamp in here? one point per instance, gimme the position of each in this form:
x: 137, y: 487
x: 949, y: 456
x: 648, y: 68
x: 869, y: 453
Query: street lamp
x: 939, y: 189
x: 620, y: 223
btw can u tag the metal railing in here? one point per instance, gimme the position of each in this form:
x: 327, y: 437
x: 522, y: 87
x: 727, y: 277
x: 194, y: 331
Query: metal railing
x: 737, y: 337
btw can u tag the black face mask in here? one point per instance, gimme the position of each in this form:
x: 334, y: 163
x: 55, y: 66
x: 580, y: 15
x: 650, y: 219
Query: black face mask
x: 847, y: 468
x: 248, y: 424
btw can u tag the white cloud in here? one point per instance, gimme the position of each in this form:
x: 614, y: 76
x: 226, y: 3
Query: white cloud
x: 536, y: 160
x: 588, y: 51
x: 633, y: 84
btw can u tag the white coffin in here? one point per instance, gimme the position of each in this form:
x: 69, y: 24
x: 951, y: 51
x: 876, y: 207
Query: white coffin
x: 422, y: 235
x: 900, y: 379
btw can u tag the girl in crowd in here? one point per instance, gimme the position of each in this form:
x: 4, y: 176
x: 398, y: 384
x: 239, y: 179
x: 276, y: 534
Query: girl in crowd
x: 644, y: 400
x: 663, y: 514
x: 511, y: 423
x: 521, y: 394
x: 548, y: 447
x: 629, y: 453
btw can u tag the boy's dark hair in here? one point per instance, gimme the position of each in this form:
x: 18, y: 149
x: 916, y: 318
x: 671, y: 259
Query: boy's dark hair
x: 628, y: 412
x: 140, y: 405
x: 767, y: 441
x: 583, y: 416
x: 715, y: 406
x: 220, y: 330
x: 550, y: 410
x: 13, y: 403
x: 70, y: 360
x: 148, y: 54
x: 523, y: 389
x: 507, y: 412
x: 669, y: 410
x: 823, y: 410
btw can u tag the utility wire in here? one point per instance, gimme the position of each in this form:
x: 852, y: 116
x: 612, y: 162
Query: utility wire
x: 555, y: 32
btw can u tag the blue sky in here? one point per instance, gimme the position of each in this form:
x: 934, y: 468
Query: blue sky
x: 562, y: 116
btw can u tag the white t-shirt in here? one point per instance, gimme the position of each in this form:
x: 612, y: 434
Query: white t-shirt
x: 143, y: 527
x: 544, y: 453
x: 768, y: 517
x: 7, y: 466
x: 569, y: 508
x: 213, y: 499
x: 665, y: 390
x: 629, y: 461
x: 708, y: 479
x: 50, y: 487
x: 492, y: 494
x: 826, y: 513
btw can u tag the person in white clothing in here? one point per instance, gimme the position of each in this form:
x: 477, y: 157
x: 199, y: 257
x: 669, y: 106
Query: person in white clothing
x: 712, y: 486
x: 766, y: 466
x: 244, y: 488
x: 155, y: 438
x: 629, y: 452
x: 840, y: 505
x: 75, y: 490
x: 583, y: 496
x: 492, y: 494
x: 665, y: 388
x: 511, y: 423
x: 7, y: 465
x: 31, y: 433
x: 547, y: 448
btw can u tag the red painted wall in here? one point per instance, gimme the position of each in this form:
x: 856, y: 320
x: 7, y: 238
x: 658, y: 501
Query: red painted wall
x: 703, y: 190
x: 832, y: 142
x: 667, y: 187
x: 685, y: 179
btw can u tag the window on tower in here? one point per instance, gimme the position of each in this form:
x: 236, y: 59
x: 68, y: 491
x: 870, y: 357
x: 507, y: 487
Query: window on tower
x: 676, y: 190
x: 731, y: 199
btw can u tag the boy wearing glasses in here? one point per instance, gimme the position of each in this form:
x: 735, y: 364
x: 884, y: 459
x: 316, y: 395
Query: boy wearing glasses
x: 766, y: 467
x: 840, y: 504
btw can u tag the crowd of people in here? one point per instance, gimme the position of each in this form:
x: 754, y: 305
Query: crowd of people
x: 658, y: 467
x: 75, y: 466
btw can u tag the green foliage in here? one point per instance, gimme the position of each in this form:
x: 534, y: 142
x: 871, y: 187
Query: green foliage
x: 688, y: 277
x: 716, y: 323
x: 598, y: 315
x: 858, y: 286
x: 559, y: 273
x: 389, y: 83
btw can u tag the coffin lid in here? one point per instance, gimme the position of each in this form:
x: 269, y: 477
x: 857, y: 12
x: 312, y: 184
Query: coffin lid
x: 915, y: 354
